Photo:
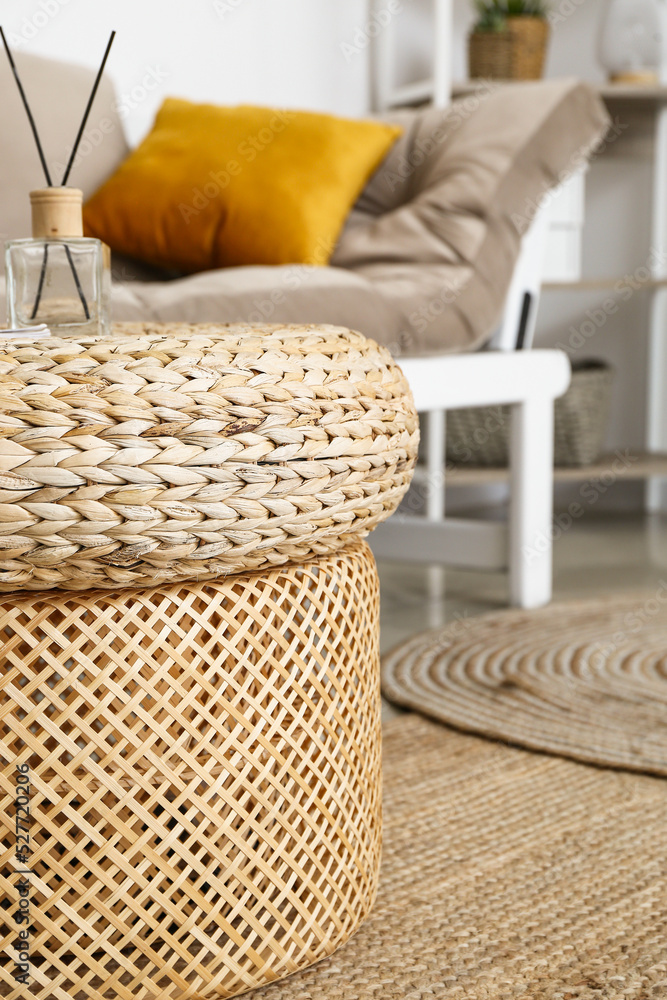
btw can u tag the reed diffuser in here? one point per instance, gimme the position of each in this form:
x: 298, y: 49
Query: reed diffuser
x: 58, y: 277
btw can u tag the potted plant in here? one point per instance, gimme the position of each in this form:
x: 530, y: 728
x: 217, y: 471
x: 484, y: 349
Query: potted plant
x: 509, y: 40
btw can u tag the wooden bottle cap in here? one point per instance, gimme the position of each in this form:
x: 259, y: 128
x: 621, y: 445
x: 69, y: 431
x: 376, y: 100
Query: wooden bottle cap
x: 56, y: 212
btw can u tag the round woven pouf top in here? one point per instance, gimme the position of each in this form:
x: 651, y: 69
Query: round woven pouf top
x: 202, y: 768
x: 584, y: 679
x: 179, y: 452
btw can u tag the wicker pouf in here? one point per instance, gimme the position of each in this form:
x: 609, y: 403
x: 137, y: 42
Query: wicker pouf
x: 189, y: 676
x: 178, y: 452
x: 203, y: 772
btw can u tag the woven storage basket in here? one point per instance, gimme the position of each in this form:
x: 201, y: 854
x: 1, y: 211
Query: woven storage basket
x: 184, y: 452
x: 517, y: 53
x: 204, y: 775
x: 480, y: 436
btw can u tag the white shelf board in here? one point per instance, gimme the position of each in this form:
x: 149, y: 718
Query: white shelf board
x: 635, y: 466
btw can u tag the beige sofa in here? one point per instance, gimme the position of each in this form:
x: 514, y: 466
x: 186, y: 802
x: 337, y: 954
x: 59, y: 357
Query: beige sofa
x: 426, y: 257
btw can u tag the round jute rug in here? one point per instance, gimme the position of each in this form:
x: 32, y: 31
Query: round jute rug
x: 586, y: 680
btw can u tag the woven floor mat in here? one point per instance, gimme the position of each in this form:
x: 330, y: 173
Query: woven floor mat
x: 586, y: 680
x: 506, y: 876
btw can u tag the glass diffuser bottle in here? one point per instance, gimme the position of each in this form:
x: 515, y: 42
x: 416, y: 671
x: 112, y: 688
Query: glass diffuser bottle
x: 59, y: 277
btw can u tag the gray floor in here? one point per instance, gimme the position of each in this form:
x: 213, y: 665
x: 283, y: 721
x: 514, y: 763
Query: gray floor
x: 597, y: 555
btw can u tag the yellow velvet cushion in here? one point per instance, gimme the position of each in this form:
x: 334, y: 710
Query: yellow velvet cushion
x: 217, y: 187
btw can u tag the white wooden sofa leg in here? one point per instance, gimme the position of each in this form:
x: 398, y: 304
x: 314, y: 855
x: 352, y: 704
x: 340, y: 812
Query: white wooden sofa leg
x: 435, y: 502
x: 534, y: 379
x: 531, y: 503
x: 435, y: 497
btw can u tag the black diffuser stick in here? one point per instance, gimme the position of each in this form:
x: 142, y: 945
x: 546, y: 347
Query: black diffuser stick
x: 75, y: 275
x: 89, y: 105
x: 68, y: 169
x: 47, y: 175
x: 42, y: 279
x: 42, y: 276
x: 27, y: 109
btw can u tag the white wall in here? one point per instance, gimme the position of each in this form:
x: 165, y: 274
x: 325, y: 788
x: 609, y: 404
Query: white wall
x: 291, y: 53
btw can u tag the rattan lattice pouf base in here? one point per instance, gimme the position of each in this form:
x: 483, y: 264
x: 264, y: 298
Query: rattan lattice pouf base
x: 203, y: 778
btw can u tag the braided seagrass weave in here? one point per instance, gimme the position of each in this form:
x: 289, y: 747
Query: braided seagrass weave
x: 585, y: 679
x: 204, y: 779
x: 175, y: 452
x: 506, y: 875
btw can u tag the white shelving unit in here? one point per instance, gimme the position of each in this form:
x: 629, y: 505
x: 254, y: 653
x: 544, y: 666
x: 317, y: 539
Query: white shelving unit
x: 567, y: 220
x: 644, y: 110
x: 437, y: 88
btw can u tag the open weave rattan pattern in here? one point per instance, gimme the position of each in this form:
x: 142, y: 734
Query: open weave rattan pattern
x: 587, y: 680
x: 175, y: 452
x: 205, y: 773
x: 506, y: 875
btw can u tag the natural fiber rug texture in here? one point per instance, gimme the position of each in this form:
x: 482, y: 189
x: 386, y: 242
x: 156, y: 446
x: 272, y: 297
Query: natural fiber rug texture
x: 506, y: 875
x: 586, y: 680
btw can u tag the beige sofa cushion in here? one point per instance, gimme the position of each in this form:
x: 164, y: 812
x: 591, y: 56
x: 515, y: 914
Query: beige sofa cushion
x: 57, y: 93
x: 289, y: 294
x: 438, y: 229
